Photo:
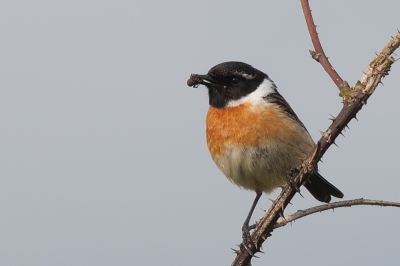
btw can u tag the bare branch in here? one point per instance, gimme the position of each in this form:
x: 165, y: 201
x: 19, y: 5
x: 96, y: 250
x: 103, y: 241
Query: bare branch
x: 330, y: 206
x: 319, y: 54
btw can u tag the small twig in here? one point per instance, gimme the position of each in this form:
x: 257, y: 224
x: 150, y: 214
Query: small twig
x: 330, y: 206
x: 319, y: 54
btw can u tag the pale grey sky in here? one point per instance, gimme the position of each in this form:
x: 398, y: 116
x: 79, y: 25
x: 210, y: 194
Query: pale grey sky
x: 103, y: 153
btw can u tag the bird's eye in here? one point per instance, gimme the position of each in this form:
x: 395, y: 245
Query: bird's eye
x: 234, y: 81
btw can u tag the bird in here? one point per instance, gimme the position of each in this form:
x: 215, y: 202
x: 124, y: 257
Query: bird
x: 253, y: 135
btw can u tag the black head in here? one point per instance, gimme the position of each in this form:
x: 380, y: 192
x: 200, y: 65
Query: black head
x: 228, y: 81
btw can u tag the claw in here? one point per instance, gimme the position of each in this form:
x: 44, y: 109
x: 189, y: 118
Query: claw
x: 293, y: 185
x: 250, y: 253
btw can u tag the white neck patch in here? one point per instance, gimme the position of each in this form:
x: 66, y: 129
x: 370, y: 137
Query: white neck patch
x: 265, y: 88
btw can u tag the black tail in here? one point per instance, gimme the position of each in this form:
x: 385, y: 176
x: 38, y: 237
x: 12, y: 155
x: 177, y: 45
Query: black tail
x: 321, y: 189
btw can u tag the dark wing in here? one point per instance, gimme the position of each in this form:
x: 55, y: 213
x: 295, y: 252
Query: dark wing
x: 318, y: 186
x: 285, y: 107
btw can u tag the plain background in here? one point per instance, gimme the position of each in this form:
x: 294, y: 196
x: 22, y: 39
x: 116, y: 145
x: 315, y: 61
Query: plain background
x: 102, y: 148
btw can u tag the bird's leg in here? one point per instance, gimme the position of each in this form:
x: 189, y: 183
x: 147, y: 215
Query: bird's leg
x: 246, y: 228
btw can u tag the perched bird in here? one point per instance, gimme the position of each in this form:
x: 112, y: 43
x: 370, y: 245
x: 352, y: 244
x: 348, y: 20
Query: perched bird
x: 253, y: 134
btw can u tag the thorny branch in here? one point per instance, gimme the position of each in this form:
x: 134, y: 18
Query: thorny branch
x: 331, y: 206
x: 319, y: 54
x: 353, y: 100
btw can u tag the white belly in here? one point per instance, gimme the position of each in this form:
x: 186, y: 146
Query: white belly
x: 261, y: 169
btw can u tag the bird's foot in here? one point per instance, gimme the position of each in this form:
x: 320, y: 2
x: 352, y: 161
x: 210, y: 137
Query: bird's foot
x: 289, y: 178
x: 247, y: 242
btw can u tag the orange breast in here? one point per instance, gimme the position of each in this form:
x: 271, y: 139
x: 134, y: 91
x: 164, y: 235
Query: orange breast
x: 248, y: 125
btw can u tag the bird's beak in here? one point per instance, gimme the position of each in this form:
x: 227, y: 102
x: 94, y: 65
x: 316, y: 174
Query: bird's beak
x: 195, y: 80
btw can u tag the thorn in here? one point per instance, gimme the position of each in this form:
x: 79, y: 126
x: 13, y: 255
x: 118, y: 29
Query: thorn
x: 363, y: 72
x: 290, y: 203
x: 342, y: 134
x: 271, y: 200
x: 376, y: 53
x: 256, y: 246
x: 380, y: 82
x: 283, y: 217
x: 321, y: 161
x: 333, y: 118
x: 235, y: 251
x: 347, y: 126
x: 261, y: 251
x: 335, y: 144
x: 355, y: 117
